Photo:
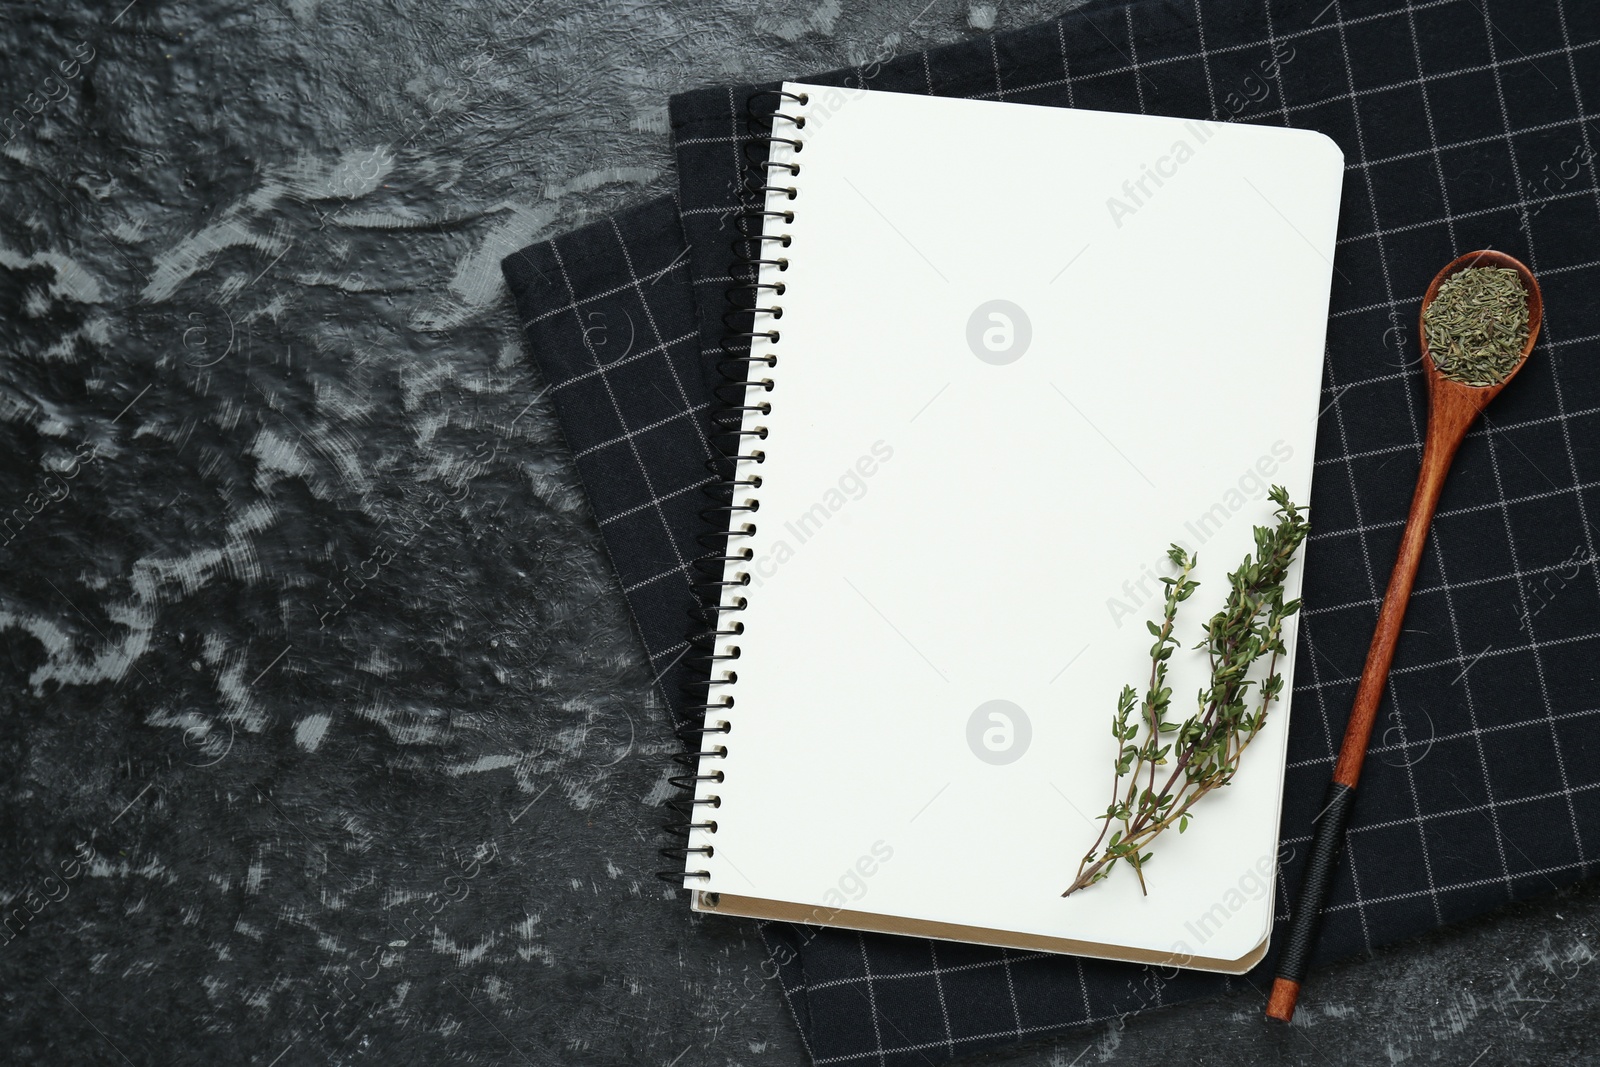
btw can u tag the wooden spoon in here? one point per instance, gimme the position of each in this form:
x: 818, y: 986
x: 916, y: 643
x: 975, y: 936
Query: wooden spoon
x: 1452, y: 408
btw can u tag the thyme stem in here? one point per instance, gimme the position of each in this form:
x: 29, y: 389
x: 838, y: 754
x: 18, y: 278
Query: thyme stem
x: 1207, y: 748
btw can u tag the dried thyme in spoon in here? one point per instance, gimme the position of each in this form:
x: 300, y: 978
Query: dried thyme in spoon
x: 1477, y: 325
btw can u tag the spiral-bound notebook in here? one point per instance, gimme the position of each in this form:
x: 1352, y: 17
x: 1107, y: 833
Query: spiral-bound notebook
x: 1078, y: 338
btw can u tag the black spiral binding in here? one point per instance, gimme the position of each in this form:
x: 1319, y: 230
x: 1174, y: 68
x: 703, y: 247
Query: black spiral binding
x: 753, y: 249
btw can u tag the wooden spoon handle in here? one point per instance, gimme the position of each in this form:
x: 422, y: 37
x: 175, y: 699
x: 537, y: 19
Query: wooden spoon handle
x: 1444, y: 438
x: 1447, y: 425
x: 1452, y: 407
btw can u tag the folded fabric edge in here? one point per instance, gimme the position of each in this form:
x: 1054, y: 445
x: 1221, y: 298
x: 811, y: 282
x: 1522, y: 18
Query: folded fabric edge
x: 619, y: 257
x: 688, y: 111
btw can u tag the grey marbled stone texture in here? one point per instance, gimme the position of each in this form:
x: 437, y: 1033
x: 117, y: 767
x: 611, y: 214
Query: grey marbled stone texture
x: 326, y: 738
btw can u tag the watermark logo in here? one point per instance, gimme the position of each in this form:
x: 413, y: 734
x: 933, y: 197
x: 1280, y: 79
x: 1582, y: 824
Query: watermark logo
x: 1403, y: 742
x: 51, y: 489
x: 1252, y: 886
x: 1577, y: 561
x: 851, y: 485
x: 1140, y: 189
x: 851, y: 885
x: 998, y: 732
x: 998, y: 332
x: 205, y: 339
x: 1554, y: 183
x: 1252, y: 484
x: 26, y: 904
x: 50, y: 91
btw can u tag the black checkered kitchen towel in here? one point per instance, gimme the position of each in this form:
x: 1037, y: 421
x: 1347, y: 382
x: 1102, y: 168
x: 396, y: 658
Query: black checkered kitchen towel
x: 1465, y: 124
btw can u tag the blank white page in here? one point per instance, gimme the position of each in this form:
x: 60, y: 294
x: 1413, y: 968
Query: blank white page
x: 958, y: 509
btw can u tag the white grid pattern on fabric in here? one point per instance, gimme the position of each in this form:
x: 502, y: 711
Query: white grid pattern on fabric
x: 938, y: 975
x: 1583, y: 118
x: 1445, y: 586
x: 1417, y: 431
x: 632, y: 357
x: 1465, y: 509
x: 1369, y: 91
x: 656, y: 496
x: 1453, y: 661
x: 1362, y: 529
x: 1377, y: 568
x: 1205, y: 56
x: 689, y: 407
x: 872, y: 996
x: 929, y: 972
x: 577, y: 301
x: 1381, y: 749
x: 655, y: 502
x: 1372, y: 536
x: 1533, y: 256
x: 647, y: 427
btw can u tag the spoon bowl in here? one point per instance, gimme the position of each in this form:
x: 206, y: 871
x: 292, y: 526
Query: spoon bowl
x: 1465, y: 401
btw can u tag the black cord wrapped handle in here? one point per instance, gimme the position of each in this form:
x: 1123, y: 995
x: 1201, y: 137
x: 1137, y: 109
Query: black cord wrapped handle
x: 1315, y: 881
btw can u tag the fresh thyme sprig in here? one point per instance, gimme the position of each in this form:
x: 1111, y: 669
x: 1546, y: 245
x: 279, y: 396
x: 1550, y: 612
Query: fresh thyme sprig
x: 1203, y: 751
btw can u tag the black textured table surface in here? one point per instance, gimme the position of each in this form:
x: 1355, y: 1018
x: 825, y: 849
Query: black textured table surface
x: 326, y: 736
